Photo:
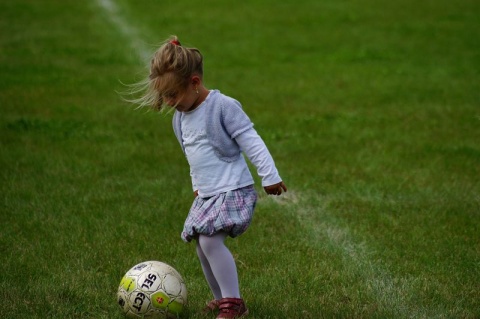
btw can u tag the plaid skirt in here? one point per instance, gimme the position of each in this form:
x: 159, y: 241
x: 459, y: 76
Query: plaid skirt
x: 231, y: 212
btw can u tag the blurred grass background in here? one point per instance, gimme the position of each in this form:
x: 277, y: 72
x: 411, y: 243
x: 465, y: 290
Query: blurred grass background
x: 370, y: 109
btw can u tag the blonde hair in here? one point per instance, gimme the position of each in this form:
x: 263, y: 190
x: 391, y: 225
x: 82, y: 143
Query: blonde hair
x: 171, y: 68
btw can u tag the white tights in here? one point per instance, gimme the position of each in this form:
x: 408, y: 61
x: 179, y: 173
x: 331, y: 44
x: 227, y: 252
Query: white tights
x: 218, y: 266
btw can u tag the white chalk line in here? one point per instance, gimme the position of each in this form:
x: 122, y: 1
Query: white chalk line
x: 129, y: 32
x: 390, y: 292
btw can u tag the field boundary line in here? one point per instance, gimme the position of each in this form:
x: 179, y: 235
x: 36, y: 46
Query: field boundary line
x: 390, y: 292
x: 131, y: 33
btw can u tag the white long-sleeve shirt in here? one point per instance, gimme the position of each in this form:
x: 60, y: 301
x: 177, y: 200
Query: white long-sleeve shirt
x: 211, y: 175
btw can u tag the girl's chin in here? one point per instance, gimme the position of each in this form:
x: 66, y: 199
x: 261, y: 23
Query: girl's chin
x: 182, y: 108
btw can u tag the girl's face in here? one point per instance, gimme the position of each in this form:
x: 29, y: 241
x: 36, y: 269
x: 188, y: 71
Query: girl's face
x: 182, y: 101
x: 185, y: 100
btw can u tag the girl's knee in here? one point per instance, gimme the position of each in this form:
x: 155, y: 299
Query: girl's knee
x: 209, y: 244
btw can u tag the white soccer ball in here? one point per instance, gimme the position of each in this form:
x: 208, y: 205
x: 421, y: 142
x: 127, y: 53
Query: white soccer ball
x: 152, y: 289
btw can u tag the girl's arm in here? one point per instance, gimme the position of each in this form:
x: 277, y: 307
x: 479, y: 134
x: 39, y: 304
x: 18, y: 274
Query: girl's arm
x: 257, y: 152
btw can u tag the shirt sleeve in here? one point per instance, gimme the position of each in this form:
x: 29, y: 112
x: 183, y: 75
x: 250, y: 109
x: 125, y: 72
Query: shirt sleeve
x: 257, y: 152
x: 194, y: 185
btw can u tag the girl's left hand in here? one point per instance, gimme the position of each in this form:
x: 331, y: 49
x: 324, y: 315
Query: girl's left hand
x: 275, y: 189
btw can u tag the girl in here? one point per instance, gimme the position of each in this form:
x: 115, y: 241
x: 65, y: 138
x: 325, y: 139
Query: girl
x: 213, y: 131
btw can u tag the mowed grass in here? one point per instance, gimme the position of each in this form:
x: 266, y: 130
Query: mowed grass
x: 371, y: 110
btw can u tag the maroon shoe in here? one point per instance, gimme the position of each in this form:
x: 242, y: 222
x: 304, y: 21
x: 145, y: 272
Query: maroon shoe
x: 211, y: 307
x: 232, y: 308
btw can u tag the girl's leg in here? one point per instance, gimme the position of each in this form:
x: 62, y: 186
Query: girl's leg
x: 221, y: 265
x: 207, y: 271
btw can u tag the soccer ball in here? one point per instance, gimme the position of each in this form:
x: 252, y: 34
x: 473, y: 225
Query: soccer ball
x: 152, y: 289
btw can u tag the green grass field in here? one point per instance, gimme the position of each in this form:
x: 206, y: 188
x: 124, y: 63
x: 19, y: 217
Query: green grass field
x: 371, y: 110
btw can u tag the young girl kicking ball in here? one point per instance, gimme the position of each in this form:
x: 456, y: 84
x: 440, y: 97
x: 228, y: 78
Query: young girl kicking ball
x: 213, y: 131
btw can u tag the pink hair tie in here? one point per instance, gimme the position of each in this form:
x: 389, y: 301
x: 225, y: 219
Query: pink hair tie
x: 175, y: 42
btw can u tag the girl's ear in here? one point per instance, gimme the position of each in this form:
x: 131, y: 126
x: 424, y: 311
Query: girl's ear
x: 196, y: 80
